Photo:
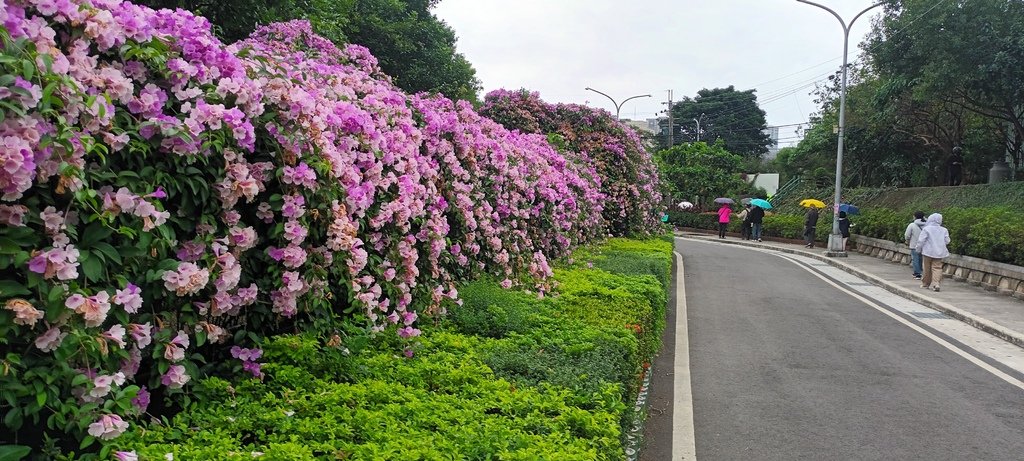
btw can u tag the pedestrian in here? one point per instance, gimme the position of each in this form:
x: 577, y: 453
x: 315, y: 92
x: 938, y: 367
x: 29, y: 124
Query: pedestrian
x: 844, y: 227
x: 744, y: 217
x: 723, y: 219
x: 810, y: 226
x: 756, y: 218
x: 956, y: 167
x: 932, y: 243
x: 910, y: 235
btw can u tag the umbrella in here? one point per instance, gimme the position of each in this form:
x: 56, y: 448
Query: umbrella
x: 760, y: 203
x: 812, y: 202
x: 745, y: 200
x: 725, y: 200
x: 849, y: 209
x: 685, y: 205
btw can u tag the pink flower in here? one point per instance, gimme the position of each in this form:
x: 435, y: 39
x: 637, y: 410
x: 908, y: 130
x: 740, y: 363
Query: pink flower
x: 506, y: 284
x: 175, y: 350
x: 141, y: 334
x: 51, y: 340
x: 94, y: 308
x: 175, y: 378
x: 188, y: 279
x: 130, y: 298
x: 141, y: 400
x: 108, y: 427
x: 126, y: 455
x: 13, y: 215
x: 24, y: 312
x: 115, y: 334
x: 102, y: 384
x: 408, y: 332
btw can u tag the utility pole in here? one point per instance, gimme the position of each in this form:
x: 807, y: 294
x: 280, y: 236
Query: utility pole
x: 835, y: 245
x: 671, y: 129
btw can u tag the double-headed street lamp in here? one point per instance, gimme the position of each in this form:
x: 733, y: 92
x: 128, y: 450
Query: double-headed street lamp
x: 698, y: 119
x: 835, y: 240
x: 618, y: 106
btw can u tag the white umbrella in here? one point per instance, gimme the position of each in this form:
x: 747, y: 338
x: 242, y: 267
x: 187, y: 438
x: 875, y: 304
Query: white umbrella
x: 685, y: 205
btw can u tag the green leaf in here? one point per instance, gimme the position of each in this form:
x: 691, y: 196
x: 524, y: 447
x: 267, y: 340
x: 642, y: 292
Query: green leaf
x: 92, y: 267
x: 8, y: 246
x: 9, y: 288
x: 41, y: 398
x: 108, y: 250
x: 79, y: 380
x: 86, y: 442
x: 14, y: 452
x: 93, y: 234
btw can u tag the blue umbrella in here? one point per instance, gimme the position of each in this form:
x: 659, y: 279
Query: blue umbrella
x: 760, y: 203
x: 849, y: 209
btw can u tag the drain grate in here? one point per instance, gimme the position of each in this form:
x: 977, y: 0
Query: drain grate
x: 929, y: 315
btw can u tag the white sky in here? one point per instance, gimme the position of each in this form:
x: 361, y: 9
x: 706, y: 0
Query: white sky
x: 630, y: 47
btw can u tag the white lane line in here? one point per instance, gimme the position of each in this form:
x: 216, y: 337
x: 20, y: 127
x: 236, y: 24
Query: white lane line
x: 980, y: 363
x: 684, y: 445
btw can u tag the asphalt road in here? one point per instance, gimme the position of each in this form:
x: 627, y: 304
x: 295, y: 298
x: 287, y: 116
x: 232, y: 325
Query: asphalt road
x: 784, y: 366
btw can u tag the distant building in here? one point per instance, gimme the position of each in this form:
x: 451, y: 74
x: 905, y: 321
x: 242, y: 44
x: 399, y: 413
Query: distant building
x: 773, y: 148
x: 640, y: 125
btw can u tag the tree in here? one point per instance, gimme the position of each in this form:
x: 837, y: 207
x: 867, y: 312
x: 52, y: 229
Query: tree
x: 727, y: 114
x: 964, y: 54
x: 701, y: 170
x: 412, y: 45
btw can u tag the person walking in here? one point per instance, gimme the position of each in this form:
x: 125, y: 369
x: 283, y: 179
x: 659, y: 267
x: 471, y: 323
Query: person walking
x: 932, y: 243
x: 756, y: 217
x: 810, y: 226
x: 723, y: 219
x: 910, y: 236
x: 844, y: 228
x: 744, y: 217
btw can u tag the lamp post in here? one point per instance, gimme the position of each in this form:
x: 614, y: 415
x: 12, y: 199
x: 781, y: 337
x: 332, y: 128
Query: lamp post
x: 698, y: 119
x: 835, y: 241
x: 618, y: 106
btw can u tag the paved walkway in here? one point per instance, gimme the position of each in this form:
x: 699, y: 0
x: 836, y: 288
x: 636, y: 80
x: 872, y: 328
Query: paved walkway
x: 998, y: 314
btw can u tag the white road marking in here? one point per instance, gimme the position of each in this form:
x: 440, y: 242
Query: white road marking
x: 998, y: 350
x: 919, y: 308
x: 683, y: 440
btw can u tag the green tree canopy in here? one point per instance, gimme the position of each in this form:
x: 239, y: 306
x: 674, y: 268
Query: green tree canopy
x: 727, y: 114
x: 412, y: 45
x: 701, y: 170
x: 943, y: 59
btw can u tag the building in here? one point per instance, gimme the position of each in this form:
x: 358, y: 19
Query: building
x: 773, y: 148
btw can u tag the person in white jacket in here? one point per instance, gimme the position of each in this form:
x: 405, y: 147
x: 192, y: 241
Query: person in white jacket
x: 932, y: 246
x: 910, y: 236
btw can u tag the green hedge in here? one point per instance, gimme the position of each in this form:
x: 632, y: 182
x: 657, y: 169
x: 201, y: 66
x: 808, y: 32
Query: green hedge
x: 987, y: 233
x: 507, y: 375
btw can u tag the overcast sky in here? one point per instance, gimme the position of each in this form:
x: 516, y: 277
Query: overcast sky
x: 630, y: 47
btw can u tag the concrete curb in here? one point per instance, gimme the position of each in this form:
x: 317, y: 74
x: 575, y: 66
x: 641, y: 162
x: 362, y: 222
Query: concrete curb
x: 1004, y: 333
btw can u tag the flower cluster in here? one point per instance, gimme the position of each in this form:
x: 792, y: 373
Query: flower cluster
x: 169, y: 190
x: 628, y: 173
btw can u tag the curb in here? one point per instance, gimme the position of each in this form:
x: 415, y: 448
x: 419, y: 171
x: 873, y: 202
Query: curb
x: 999, y: 331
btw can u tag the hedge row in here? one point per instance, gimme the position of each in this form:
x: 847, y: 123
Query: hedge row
x: 508, y: 376
x: 987, y: 233
x: 167, y: 200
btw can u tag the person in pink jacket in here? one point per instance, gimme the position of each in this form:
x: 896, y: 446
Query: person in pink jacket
x: 723, y: 219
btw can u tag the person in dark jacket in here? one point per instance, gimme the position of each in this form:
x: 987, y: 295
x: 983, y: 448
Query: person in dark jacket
x: 844, y: 227
x: 756, y: 217
x: 810, y: 226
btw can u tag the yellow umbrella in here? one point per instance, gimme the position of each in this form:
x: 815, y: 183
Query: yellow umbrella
x: 810, y: 202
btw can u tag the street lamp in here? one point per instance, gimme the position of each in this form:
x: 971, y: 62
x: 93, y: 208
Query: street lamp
x: 698, y: 119
x: 618, y: 106
x: 835, y: 240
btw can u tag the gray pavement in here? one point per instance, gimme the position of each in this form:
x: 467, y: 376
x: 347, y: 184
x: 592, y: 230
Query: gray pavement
x: 786, y: 367
x: 997, y: 314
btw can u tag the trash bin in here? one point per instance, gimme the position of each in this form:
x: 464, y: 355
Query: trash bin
x: 999, y: 172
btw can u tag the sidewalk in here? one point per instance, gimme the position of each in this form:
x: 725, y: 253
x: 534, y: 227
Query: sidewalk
x: 999, y: 315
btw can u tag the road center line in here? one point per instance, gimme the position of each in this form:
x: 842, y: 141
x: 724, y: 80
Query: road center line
x: 683, y: 439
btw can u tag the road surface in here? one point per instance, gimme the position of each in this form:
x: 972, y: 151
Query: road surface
x: 788, y: 358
